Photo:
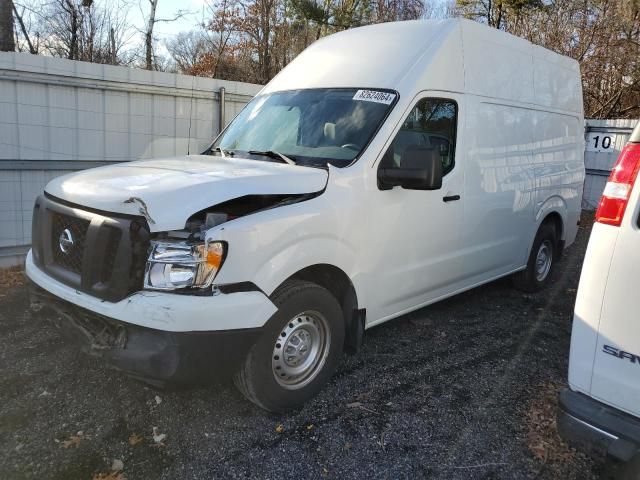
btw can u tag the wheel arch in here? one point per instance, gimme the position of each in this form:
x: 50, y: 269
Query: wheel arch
x: 555, y: 219
x: 554, y: 209
x: 339, y: 284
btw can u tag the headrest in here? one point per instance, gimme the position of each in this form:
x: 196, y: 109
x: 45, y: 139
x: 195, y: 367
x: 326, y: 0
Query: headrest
x: 330, y: 130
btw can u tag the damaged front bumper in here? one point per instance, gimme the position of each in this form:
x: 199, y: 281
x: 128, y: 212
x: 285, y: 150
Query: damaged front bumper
x: 155, y: 356
x: 158, y: 337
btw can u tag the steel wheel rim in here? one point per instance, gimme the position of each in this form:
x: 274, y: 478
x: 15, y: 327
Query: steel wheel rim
x: 543, y: 260
x: 300, y: 350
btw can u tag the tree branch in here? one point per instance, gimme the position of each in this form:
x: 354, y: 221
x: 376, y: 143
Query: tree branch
x: 32, y: 50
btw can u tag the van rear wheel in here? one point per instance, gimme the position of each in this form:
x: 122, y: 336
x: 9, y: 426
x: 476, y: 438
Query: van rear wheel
x: 299, y: 350
x: 541, y: 261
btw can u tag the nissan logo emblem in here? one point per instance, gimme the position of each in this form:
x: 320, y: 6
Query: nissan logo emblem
x: 66, y: 241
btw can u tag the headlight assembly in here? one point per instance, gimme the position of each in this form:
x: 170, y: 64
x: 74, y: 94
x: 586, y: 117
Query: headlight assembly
x: 178, y: 265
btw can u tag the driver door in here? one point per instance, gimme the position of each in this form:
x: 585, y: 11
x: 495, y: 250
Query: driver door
x: 418, y: 231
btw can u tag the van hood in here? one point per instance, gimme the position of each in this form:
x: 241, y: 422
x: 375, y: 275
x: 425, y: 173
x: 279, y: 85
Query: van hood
x: 168, y: 191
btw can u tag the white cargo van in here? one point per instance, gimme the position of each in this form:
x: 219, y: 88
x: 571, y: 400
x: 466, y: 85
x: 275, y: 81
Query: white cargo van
x: 600, y: 412
x: 386, y: 168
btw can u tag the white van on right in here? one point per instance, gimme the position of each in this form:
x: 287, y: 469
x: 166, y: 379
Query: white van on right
x: 600, y: 412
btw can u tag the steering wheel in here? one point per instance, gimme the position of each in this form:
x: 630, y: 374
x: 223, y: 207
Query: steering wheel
x: 352, y: 146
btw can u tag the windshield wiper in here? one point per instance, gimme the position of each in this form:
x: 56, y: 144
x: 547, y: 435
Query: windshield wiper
x: 223, y: 152
x: 273, y: 154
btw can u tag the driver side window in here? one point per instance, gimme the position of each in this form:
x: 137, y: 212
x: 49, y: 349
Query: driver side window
x: 431, y: 125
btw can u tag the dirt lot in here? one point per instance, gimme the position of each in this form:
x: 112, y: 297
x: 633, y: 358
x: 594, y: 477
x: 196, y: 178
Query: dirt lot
x: 462, y: 389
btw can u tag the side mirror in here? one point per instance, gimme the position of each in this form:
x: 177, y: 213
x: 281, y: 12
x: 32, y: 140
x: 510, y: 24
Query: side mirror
x: 420, y: 169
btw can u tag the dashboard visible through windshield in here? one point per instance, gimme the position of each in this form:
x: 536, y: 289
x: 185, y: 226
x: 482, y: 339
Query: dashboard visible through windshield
x: 309, y: 127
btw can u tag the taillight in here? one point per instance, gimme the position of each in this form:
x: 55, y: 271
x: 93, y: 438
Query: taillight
x: 616, y: 193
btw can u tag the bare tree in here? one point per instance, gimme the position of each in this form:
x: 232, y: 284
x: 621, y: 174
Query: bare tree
x: 604, y: 36
x: 150, y: 21
x: 496, y: 12
x: 148, y: 35
x: 221, y: 29
x: 87, y: 30
x: 187, y: 49
x: 19, y: 17
x: 436, y: 9
x: 7, y: 38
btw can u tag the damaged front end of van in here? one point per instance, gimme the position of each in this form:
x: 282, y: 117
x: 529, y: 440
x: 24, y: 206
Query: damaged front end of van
x: 120, y: 276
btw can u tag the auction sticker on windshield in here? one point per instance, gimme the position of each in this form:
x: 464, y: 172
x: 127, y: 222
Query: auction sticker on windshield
x: 375, y: 96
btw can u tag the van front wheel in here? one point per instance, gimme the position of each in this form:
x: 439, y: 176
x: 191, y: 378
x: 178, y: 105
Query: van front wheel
x: 299, y: 350
x: 537, y: 274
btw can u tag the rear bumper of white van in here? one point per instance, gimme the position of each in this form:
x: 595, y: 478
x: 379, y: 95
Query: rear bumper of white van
x: 597, y: 428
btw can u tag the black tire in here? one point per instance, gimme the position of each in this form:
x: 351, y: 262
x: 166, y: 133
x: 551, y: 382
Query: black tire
x: 528, y: 280
x: 256, y: 377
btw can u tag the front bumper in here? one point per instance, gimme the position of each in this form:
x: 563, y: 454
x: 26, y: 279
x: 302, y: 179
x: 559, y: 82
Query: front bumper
x: 597, y: 428
x: 167, y: 311
x: 155, y: 356
x: 156, y: 336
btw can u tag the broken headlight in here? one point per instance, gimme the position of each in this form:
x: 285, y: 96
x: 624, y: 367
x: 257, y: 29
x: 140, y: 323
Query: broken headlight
x: 177, y: 265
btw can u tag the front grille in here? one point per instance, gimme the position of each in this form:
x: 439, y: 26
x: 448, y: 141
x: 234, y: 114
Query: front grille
x: 73, y: 231
x: 111, y: 251
x: 95, y: 252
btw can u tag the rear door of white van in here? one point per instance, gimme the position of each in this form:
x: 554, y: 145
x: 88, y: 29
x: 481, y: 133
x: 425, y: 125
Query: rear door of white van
x: 616, y: 368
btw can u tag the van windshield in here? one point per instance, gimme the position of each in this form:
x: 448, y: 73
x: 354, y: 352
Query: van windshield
x: 310, y: 127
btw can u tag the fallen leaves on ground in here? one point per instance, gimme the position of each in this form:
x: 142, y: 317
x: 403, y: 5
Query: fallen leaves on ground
x: 135, y: 439
x: 73, y: 440
x: 11, y: 277
x: 542, y: 433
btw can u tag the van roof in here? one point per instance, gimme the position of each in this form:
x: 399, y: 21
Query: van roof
x: 452, y: 55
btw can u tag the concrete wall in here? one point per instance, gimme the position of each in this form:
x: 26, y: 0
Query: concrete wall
x: 58, y: 116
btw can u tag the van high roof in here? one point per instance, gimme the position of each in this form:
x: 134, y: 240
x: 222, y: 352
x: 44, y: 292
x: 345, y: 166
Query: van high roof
x: 451, y: 55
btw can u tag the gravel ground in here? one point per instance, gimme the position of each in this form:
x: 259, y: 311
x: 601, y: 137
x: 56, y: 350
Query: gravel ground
x: 462, y: 389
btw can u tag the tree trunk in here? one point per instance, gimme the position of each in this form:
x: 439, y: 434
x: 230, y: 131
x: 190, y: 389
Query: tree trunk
x: 73, y: 28
x: 148, y: 37
x: 499, y: 19
x: 7, y: 39
x: 33, y: 50
x: 112, y: 43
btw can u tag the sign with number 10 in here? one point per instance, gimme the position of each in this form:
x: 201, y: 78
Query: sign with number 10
x: 601, y: 142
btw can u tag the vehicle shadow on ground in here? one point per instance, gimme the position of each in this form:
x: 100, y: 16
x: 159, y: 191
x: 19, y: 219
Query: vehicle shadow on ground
x: 461, y: 389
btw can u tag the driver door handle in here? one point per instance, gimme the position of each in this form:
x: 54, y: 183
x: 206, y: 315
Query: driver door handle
x: 451, y: 198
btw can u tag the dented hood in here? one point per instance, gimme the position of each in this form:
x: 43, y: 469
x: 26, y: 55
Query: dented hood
x: 169, y: 191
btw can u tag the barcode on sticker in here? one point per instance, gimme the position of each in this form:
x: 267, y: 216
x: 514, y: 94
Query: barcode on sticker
x: 374, y: 96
